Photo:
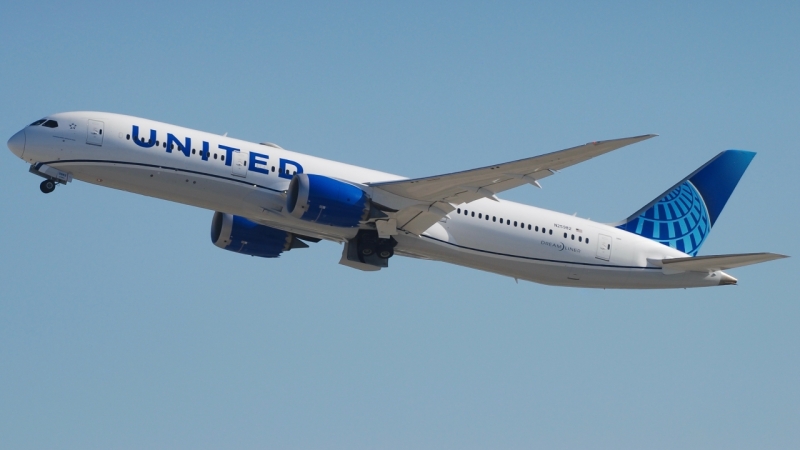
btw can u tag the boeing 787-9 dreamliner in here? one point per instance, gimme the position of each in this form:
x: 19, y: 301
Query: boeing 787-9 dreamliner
x: 268, y: 200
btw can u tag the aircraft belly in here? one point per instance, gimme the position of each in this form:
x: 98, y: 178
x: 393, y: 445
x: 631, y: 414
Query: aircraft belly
x: 167, y: 184
x: 204, y: 192
x: 551, y: 272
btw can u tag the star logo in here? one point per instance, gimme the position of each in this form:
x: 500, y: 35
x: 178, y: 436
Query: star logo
x: 72, y: 126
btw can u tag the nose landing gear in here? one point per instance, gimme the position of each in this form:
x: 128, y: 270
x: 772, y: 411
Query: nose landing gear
x: 47, y: 186
x: 51, y: 175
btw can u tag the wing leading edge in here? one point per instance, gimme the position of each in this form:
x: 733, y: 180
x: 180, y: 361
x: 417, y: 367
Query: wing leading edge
x: 438, y: 194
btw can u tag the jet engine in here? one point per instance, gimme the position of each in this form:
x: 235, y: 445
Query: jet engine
x: 240, y: 235
x: 327, y: 201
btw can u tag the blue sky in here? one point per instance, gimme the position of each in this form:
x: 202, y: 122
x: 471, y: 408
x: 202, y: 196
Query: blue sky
x: 121, y: 326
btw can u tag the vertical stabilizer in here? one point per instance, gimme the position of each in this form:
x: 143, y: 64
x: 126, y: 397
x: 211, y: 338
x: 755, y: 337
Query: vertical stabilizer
x: 683, y: 216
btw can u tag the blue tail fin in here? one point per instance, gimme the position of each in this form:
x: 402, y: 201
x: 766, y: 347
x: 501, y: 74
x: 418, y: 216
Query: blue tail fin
x: 683, y: 216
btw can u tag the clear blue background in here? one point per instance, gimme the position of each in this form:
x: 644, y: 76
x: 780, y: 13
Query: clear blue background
x: 121, y: 326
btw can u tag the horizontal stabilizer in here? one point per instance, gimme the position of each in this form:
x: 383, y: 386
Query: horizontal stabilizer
x: 713, y: 263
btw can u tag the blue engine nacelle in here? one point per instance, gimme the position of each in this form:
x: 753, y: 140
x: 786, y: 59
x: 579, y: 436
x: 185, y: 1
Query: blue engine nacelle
x: 240, y: 235
x: 324, y: 200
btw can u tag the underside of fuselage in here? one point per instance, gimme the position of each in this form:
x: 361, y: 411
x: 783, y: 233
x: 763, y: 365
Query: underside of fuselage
x: 553, y: 272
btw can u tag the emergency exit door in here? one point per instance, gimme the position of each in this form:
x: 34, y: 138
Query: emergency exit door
x: 94, y: 132
x: 603, y: 247
x: 239, y: 164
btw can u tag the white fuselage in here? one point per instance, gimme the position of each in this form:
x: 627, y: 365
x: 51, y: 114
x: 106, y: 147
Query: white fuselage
x: 529, y: 244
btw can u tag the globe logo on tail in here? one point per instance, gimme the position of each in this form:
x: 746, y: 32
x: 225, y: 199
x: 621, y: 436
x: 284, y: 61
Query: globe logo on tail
x: 679, y: 220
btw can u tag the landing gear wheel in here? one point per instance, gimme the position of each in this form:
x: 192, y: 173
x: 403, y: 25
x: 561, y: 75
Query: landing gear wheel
x: 47, y: 186
x: 386, y: 247
x: 386, y: 252
x: 367, y: 243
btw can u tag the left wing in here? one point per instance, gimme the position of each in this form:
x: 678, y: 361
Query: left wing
x: 438, y: 194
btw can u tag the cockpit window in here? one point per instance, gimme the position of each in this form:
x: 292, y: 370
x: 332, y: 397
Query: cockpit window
x: 37, y: 123
x: 50, y: 124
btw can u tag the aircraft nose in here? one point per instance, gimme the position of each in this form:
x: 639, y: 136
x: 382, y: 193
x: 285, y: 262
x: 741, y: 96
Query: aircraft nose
x: 17, y: 143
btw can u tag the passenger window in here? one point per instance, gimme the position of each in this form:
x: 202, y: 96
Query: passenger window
x: 494, y: 218
x: 529, y: 226
x: 573, y: 237
x: 273, y: 168
x: 37, y: 123
x: 193, y: 151
x: 459, y: 210
x: 587, y: 240
x: 580, y: 238
x: 480, y: 215
x: 565, y: 235
x: 128, y: 137
x: 473, y: 213
x: 501, y: 220
x: 537, y: 228
x: 466, y: 213
x: 515, y: 223
x: 222, y: 157
x: 551, y: 232
x: 215, y: 156
x: 50, y: 124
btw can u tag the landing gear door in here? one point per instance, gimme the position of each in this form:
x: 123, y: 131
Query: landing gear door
x: 94, y: 132
x: 604, y: 247
x: 239, y: 164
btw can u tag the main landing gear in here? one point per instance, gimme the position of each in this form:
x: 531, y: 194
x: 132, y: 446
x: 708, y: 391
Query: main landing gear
x: 370, y: 244
x: 368, y: 248
x: 47, y: 186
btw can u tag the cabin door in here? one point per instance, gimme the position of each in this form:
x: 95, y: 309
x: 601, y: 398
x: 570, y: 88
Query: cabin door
x: 94, y: 132
x: 239, y: 164
x: 604, y: 247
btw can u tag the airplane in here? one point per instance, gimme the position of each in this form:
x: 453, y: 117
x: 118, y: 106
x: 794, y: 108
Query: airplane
x: 268, y: 200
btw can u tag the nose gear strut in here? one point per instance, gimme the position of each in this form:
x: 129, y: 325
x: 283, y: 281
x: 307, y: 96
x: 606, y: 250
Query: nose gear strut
x: 51, y: 175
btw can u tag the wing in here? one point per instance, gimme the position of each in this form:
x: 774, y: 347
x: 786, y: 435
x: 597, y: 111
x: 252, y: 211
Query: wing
x: 437, y: 194
x: 470, y: 185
